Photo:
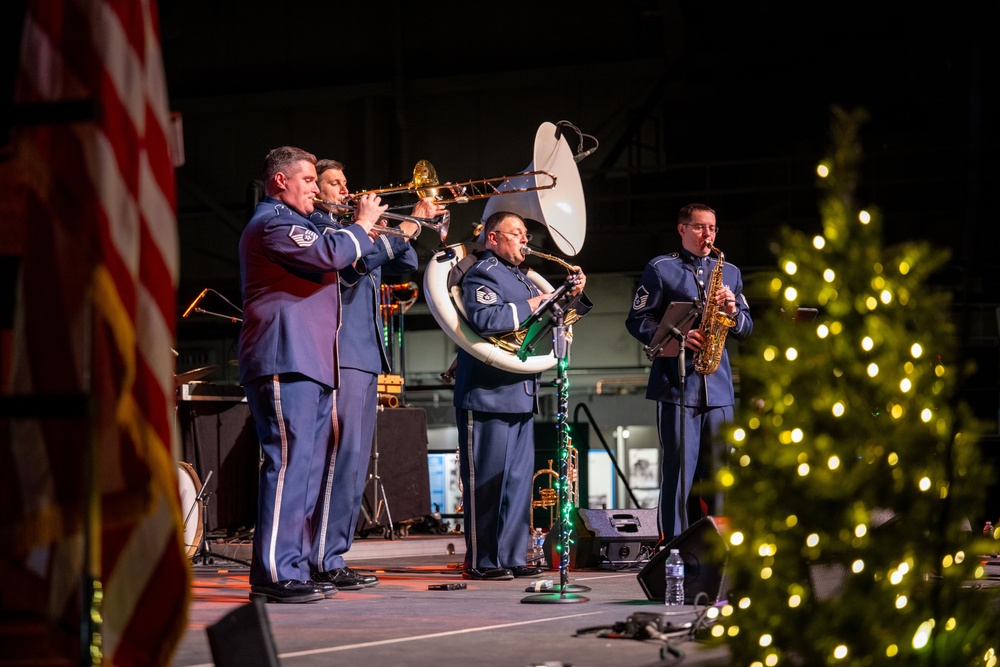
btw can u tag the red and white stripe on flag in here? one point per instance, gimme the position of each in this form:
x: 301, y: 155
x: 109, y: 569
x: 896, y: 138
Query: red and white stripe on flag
x: 103, y: 200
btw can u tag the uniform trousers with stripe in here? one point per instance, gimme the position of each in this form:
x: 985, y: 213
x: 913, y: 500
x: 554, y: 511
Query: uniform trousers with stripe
x: 496, y: 458
x: 356, y: 406
x: 702, y: 427
x: 293, y: 415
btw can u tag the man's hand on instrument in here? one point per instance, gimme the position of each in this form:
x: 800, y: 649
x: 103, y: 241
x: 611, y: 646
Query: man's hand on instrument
x: 726, y: 300
x: 694, y: 339
x: 426, y: 208
x: 368, y: 211
x: 578, y: 281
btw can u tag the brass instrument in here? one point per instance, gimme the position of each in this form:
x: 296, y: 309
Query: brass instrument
x: 548, y: 496
x: 439, y: 226
x: 715, y: 323
x: 561, y: 209
x: 425, y: 184
x: 511, y: 342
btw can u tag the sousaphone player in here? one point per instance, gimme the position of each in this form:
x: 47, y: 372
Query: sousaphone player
x: 495, y: 407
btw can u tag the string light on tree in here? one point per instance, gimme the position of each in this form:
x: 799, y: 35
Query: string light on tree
x: 820, y: 405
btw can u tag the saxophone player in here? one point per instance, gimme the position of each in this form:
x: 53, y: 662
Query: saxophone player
x: 692, y: 274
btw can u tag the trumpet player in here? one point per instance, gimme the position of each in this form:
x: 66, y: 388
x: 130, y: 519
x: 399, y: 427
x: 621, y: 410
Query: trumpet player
x: 288, y: 369
x: 495, y: 408
x: 708, y: 397
x: 362, y: 357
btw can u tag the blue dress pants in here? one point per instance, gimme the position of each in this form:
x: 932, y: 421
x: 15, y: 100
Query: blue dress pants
x: 293, y: 416
x: 496, y: 463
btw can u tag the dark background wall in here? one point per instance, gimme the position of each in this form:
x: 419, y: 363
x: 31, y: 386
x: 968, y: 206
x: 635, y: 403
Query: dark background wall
x: 724, y: 103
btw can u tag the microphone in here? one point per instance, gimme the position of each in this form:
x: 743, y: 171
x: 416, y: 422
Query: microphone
x: 579, y: 157
x: 195, y: 302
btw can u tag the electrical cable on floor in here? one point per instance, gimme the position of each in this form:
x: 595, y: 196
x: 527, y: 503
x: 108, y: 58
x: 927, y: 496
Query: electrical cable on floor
x: 658, y: 627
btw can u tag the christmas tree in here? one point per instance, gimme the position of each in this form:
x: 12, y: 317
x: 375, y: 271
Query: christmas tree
x: 854, y: 467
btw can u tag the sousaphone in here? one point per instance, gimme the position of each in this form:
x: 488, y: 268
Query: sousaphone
x: 563, y: 212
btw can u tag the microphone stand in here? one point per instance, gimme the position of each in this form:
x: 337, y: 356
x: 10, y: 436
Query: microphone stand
x: 682, y: 416
x: 672, y: 332
x: 225, y: 317
x: 560, y: 349
x: 193, y: 308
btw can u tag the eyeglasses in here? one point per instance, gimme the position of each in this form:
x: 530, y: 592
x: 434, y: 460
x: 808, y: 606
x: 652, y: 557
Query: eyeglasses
x: 516, y: 235
x: 699, y: 228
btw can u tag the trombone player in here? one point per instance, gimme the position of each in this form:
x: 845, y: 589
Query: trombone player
x: 495, y: 408
x: 362, y: 357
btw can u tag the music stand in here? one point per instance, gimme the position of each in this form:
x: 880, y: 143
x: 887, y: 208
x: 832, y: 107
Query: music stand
x: 677, y: 320
x: 556, y: 305
x: 668, y: 341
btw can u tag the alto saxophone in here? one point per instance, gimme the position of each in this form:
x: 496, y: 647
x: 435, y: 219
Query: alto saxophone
x: 715, y: 323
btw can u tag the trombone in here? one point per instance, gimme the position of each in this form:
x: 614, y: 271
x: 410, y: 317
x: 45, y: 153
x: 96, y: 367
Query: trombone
x: 439, y: 226
x: 425, y: 184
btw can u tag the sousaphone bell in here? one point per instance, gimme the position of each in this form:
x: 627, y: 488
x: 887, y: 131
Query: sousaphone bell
x: 561, y: 209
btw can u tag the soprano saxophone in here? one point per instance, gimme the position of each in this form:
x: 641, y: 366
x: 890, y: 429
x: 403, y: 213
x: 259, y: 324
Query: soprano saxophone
x: 715, y: 323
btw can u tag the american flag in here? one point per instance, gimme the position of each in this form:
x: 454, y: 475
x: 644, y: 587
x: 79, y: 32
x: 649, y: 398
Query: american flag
x: 95, y: 317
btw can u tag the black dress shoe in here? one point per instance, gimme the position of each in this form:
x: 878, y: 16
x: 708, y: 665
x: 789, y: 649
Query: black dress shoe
x: 289, y: 590
x: 346, y: 579
x: 488, y: 574
x: 525, y: 570
x: 328, y: 589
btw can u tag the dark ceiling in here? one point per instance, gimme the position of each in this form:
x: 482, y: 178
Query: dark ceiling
x: 725, y: 103
x: 731, y: 90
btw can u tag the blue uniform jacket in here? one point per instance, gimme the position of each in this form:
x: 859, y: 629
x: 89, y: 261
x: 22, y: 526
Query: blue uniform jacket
x: 495, y: 296
x: 291, y: 295
x: 676, y: 277
x: 360, y: 342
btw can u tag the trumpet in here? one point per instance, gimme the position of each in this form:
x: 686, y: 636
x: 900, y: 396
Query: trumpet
x: 548, y: 496
x: 425, y: 184
x: 440, y: 226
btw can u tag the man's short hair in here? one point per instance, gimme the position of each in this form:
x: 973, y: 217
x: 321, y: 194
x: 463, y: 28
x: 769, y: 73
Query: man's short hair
x: 495, y: 219
x: 687, y: 212
x: 326, y: 165
x: 280, y: 159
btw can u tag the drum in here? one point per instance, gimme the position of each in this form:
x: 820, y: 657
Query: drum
x: 191, y: 506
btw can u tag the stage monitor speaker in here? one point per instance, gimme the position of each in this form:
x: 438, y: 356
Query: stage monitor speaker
x: 243, y: 637
x: 219, y: 436
x: 704, y: 569
x: 401, y: 437
x: 607, y: 539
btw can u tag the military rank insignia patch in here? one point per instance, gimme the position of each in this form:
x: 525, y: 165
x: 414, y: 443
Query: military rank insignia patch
x: 641, y: 297
x: 303, y: 237
x: 486, y: 296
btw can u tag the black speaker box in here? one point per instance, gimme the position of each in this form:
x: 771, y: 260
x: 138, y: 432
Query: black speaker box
x: 607, y: 539
x: 401, y: 436
x: 243, y: 637
x: 704, y: 568
x: 219, y: 437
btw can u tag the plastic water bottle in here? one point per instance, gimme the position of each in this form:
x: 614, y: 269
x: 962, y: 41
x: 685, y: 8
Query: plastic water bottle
x: 537, y: 546
x: 673, y: 587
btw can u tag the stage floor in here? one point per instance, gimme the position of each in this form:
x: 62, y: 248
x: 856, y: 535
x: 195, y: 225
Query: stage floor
x: 401, y: 622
